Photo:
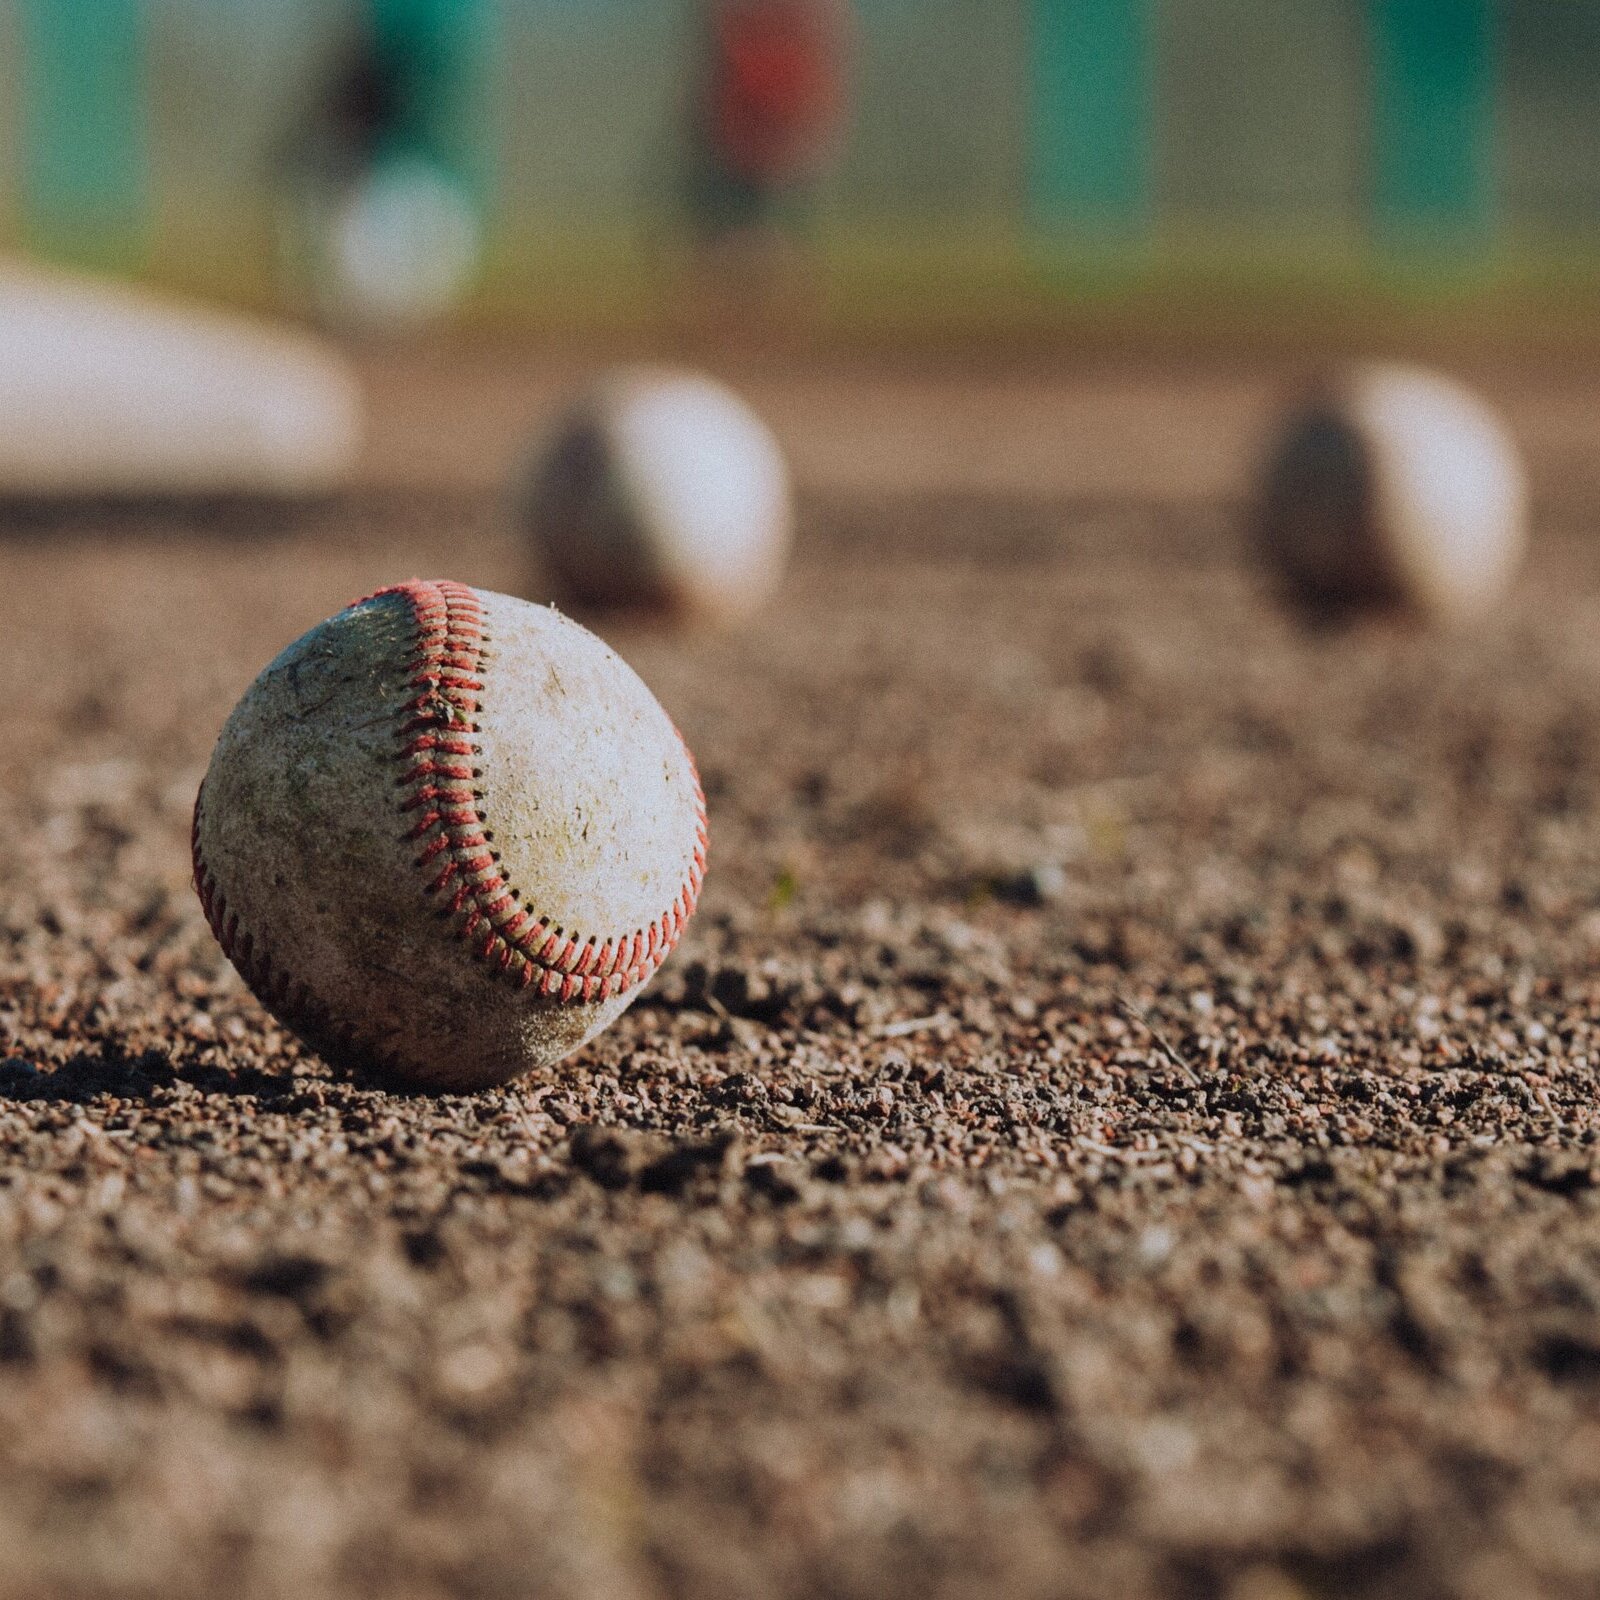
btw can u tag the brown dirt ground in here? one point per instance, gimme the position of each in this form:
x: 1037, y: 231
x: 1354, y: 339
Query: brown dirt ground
x: 1123, y: 1122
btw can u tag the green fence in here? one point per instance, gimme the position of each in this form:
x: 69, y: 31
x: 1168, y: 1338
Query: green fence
x: 1142, y: 135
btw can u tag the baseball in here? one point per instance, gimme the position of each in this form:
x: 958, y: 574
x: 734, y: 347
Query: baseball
x: 447, y: 836
x: 401, y: 248
x: 1395, y: 488
x: 662, y: 491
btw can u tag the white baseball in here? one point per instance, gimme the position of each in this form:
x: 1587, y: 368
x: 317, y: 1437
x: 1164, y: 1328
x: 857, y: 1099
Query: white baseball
x: 402, y: 247
x: 1394, y: 487
x: 447, y: 836
x: 663, y: 491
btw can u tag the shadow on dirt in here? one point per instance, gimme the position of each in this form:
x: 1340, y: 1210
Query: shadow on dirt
x: 112, y: 1073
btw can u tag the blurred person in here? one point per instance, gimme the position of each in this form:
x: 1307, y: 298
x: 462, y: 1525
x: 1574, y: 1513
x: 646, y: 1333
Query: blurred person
x: 378, y: 228
x: 769, y: 121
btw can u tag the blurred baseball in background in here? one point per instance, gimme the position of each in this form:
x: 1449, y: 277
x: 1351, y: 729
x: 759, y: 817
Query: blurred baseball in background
x: 391, y: 247
x: 662, y: 491
x: 1390, y: 487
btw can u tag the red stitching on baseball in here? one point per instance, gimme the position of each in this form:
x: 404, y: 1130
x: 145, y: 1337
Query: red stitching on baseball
x: 448, y: 671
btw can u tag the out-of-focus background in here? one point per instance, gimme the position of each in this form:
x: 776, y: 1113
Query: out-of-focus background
x: 999, y: 163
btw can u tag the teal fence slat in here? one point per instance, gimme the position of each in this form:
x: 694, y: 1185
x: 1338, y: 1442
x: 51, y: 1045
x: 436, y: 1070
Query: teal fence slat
x: 83, y: 168
x: 1091, y: 114
x: 1434, y: 72
x: 446, y: 47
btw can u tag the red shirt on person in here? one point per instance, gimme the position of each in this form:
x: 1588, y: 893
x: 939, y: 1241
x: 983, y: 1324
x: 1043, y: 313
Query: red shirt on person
x: 776, y: 91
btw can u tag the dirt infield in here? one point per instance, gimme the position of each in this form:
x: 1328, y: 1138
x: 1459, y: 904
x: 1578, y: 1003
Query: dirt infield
x: 1122, y: 1123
